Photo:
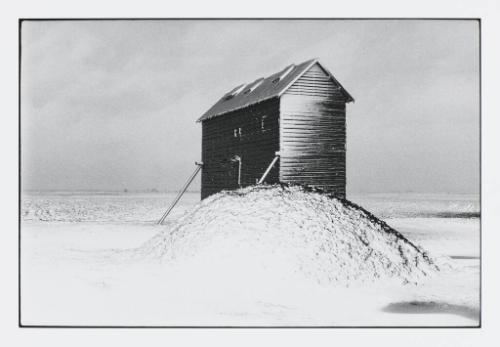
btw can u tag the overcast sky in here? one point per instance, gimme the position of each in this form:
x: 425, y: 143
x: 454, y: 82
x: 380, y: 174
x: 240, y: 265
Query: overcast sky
x: 109, y: 105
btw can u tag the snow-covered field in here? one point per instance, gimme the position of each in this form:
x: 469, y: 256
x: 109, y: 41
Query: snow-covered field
x: 73, y: 271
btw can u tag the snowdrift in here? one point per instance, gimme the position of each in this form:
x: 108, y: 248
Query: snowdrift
x: 265, y: 233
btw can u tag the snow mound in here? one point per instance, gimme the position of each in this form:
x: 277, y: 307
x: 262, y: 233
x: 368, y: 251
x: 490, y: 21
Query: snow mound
x: 287, y: 232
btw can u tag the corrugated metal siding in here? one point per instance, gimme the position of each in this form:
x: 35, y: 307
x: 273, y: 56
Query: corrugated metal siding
x: 256, y: 147
x: 313, y: 133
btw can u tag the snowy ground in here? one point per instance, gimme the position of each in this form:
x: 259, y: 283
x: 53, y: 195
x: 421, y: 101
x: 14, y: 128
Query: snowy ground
x: 69, y: 278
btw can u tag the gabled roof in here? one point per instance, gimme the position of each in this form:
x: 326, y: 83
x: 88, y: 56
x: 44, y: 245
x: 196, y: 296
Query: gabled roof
x: 263, y: 89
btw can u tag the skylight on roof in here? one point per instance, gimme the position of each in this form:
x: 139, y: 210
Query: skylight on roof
x: 254, y: 86
x: 284, y: 73
x: 235, y: 92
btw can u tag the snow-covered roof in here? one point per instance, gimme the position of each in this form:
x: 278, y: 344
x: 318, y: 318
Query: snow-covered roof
x: 263, y: 89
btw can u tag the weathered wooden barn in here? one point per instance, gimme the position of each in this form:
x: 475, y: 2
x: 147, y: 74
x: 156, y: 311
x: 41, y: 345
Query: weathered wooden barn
x: 287, y: 128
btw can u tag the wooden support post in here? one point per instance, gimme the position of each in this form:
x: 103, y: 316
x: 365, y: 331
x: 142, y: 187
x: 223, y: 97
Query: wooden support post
x: 269, y: 169
x: 181, y: 192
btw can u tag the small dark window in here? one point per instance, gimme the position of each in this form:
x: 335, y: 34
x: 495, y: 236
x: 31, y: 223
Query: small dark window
x: 263, y: 123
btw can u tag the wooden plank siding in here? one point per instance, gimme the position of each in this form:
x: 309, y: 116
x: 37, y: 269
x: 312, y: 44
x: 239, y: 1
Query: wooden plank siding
x: 255, y: 146
x: 313, y: 133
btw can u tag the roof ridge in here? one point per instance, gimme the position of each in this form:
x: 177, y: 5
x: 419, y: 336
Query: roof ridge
x: 269, y: 87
